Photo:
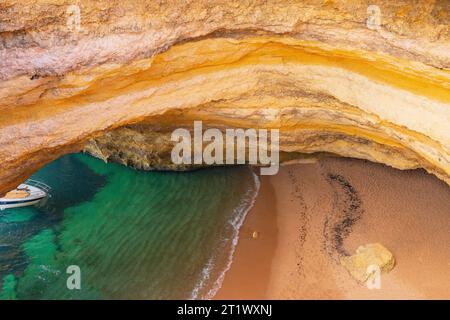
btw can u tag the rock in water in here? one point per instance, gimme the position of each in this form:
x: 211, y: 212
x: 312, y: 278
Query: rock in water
x: 374, y: 254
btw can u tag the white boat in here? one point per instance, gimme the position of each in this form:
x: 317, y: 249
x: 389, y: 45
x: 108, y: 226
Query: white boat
x: 27, y: 194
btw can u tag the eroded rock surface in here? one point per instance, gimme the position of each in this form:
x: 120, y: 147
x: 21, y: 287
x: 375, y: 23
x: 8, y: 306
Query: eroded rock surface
x: 69, y: 72
x: 367, y: 261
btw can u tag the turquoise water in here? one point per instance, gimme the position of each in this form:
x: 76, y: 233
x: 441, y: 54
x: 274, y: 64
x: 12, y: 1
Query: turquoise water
x: 134, y: 235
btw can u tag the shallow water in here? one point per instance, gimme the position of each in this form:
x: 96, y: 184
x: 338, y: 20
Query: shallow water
x: 134, y: 235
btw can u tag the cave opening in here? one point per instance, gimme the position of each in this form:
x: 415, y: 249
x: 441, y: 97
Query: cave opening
x: 359, y: 97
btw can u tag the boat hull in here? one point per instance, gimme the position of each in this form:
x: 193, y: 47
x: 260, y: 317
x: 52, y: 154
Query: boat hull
x: 4, y: 206
x: 37, y: 191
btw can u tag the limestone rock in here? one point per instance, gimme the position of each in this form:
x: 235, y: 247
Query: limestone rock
x: 368, y: 255
x: 113, y: 77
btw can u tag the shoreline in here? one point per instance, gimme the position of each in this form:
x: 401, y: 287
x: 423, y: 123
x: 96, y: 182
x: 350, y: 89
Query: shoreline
x: 296, y: 253
x: 261, y: 218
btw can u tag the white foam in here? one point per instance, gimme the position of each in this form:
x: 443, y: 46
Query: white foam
x: 236, y: 221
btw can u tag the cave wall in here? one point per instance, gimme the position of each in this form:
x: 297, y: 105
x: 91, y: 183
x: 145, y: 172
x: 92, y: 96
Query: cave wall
x: 72, y: 76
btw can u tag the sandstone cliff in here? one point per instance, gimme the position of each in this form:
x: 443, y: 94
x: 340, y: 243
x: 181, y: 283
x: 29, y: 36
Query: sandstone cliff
x: 341, y: 77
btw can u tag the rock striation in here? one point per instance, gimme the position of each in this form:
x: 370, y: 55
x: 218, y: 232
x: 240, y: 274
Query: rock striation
x: 115, y: 77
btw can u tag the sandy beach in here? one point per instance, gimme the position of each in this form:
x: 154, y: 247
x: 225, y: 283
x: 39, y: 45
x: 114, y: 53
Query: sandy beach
x: 309, y: 215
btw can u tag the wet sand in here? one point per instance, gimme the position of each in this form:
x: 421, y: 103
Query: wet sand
x: 309, y: 215
x: 262, y: 219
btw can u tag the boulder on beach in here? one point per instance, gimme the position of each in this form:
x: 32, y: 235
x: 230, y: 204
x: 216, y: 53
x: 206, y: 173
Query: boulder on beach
x: 367, y: 258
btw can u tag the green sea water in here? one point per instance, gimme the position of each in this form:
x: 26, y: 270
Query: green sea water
x: 134, y: 235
